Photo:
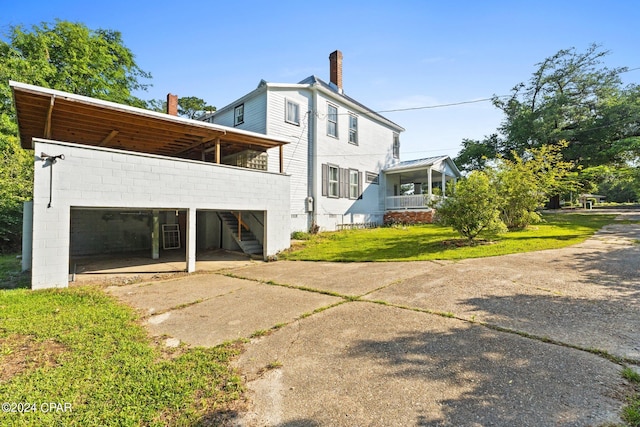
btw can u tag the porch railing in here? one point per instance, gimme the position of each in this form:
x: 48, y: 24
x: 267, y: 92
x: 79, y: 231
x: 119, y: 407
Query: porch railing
x: 414, y: 201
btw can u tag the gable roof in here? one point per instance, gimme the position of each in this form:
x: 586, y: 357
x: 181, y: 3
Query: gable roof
x: 53, y: 114
x: 338, y: 93
x: 308, y: 83
x: 418, y: 164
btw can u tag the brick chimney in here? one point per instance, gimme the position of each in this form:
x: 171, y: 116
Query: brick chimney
x: 172, y: 104
x: 335, y: 69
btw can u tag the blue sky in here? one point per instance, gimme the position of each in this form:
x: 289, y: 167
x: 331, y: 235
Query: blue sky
x: 398, y: 54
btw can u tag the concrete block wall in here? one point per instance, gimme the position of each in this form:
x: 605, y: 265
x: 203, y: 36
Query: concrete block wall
x: 99, y: 231
x: 99, y: 177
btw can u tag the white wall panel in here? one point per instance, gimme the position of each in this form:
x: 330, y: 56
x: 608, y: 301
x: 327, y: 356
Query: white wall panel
x: 96, y: 177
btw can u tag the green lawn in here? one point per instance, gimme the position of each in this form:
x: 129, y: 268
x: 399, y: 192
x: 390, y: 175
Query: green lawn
x: 430, y: 241
x: 81, y: 349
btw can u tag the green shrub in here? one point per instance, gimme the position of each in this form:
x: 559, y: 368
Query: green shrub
x: 300, y: 235
x: 472, y: 208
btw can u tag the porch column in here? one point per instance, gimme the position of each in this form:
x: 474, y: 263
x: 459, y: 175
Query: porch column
x: 191, y: 240
x: 155, y: 235
x: 444, y: 183
x: 429, y: 183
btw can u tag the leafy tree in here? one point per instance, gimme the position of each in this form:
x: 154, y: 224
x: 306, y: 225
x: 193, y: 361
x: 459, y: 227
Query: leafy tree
x: 523, y: 184
x: 475, y: 154
x: 472, y: 208
x: 65, y: 56
x: 157, y: 105
x: 16, y: 176
x: 572, y: 97
x: 617, y: 184
x: 193, y: 107
x: 69, y: 56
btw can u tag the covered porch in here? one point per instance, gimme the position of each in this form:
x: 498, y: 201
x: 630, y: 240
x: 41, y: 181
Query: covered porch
x: 114, y: 180
x: 414, y: 184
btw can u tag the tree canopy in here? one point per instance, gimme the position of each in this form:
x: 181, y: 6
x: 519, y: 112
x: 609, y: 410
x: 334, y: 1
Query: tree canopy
x: 66, y: 56
x: 71, y: 57
x: 571, y: 96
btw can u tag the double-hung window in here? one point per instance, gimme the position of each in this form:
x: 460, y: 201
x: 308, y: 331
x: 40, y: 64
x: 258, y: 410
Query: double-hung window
x: 238, y: 115
x: 332, y: 120
x: 353, y: 184
x: 353, y: 129
x: 334, y: 183
x: 292, y: 114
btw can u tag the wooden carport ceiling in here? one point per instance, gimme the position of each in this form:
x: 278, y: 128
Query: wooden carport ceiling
x: 50, y: 114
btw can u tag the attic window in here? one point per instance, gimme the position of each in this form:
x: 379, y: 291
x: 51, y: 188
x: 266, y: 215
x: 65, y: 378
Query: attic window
x: 238, y: 115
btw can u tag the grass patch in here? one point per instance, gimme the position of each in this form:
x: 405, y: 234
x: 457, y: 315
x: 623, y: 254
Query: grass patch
x: 434, y: 242
x: 274, y: 364
x: 11, y: 275
x: 631, y: 411
x: 631, y: 375
x: 81, y: 347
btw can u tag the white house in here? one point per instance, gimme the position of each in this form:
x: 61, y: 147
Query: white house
x: 113, y: 179
x: 344, y: 158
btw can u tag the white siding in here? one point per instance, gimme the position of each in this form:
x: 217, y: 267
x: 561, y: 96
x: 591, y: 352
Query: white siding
x: 296, y: 153
x: 254, y: 115
x: 97, y: 177
x: 373, y: 152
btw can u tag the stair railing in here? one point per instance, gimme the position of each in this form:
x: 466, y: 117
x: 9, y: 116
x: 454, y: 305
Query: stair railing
x: 241, y: 224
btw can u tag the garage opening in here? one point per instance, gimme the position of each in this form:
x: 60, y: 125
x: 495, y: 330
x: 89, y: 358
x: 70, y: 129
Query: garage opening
x: 123, y: 239
x: 108, y: 240
x: 240, y: 231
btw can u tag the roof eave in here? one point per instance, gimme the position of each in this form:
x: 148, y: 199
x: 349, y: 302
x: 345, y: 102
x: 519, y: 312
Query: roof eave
x: 37, y: 90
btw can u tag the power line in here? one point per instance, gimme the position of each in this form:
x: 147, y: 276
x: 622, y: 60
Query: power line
x: 452, y: 104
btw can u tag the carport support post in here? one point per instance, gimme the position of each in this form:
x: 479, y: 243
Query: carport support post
x: 155, y: 236
x: 191, y: 240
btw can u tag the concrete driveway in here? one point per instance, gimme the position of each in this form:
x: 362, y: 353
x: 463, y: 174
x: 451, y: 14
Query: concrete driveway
x: 533, y: 339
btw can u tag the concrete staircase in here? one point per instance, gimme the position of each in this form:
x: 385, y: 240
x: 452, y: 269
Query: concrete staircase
x: 247, y: 240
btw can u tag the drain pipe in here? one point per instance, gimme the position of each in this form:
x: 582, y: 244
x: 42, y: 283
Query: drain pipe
x: 51, y: 160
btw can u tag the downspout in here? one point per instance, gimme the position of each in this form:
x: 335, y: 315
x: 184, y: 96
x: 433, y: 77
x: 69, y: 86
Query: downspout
x: 313, y: 155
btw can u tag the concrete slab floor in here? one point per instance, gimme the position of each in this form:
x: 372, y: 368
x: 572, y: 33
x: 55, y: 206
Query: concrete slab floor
x: 120, y: 268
